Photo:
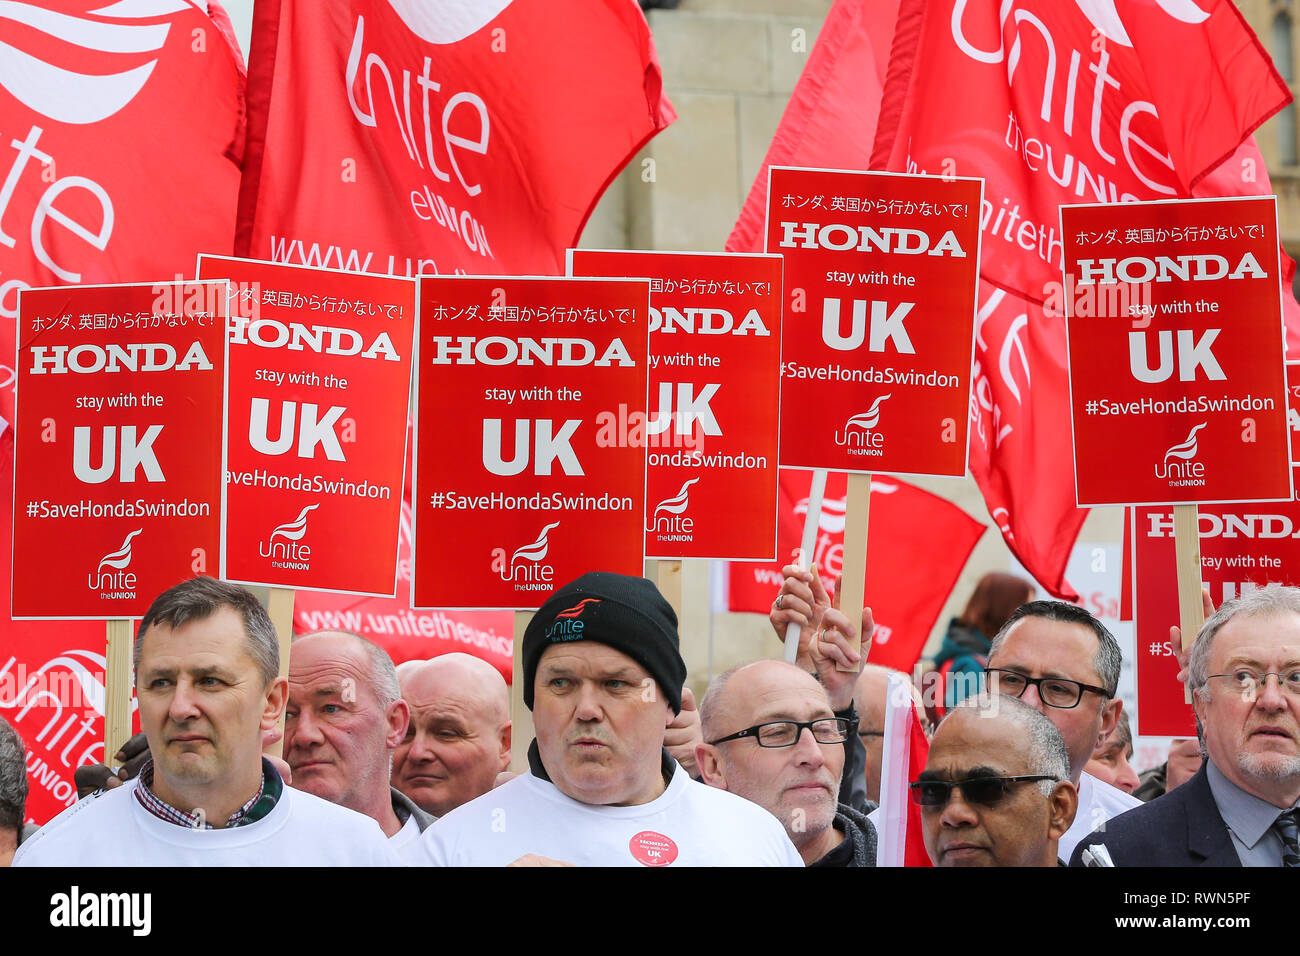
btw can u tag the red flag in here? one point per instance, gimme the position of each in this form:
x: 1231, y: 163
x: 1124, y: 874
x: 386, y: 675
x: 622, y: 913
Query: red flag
x: 903, y: 527
x: 386, y: 137
x: 52, y: 676
x: 918, y: 753
x: 122, y: 137
x: 830, y: 120
x: 1100, y: 106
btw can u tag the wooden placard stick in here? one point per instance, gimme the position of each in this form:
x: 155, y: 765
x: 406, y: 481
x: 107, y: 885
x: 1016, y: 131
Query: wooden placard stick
x: 668, y: 577
x: 853, y: 581
x: 1187, y: 550
x: 117, y: 688
x: 521, y: 718
x: 279, y: 605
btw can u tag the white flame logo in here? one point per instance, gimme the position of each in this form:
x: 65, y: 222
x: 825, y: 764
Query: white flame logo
x: 678, y: 503
x: 67, y: 96
x: 833, y: 513
x: 1186, y: 449
x: 295, y: 529
x: 86, y: 667
x: 1103, y: 15
x: 868, y: 419
x: 537, y: 550
x: 835, y: 510
x: 119, y: 558
x: 447, y: 21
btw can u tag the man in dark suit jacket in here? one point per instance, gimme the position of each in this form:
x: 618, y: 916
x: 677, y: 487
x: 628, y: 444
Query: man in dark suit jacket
x: 1181, y: 828
x: 1241, y: 807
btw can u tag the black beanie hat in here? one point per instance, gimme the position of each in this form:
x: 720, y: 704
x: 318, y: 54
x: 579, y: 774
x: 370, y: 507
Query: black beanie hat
x: 629, y: 614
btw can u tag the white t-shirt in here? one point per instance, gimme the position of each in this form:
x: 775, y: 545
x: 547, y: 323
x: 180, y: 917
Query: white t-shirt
x: 406, y: 842
x: 689, y: 824
x: 113, y: 829
x: 1098, y: 802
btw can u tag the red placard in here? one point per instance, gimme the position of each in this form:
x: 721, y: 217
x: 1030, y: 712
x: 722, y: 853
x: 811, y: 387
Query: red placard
x: 1174, y: 331
x: 119, y: 445
x: 1293, y: 407
x: 878, y: 337
x: 1242, y: 548
x: 715, y: 387
x: 529, y: 470
x: 320, y: 366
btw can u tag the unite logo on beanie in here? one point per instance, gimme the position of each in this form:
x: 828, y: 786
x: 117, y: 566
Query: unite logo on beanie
x: 567, y: 626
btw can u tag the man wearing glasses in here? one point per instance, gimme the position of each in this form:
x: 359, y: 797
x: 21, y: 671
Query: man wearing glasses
x: 995, y: 789
x: 1240, y: 808
x: 772, y: 737
x: 1064, y: 663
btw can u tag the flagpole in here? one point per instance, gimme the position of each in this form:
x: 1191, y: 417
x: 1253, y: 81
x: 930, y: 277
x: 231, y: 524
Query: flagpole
x: 811, y: 521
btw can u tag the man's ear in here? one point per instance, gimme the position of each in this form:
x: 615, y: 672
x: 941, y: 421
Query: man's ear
x: 277, y: 695
x: 1110, y: 712
x: 503, y: 755
x: 708, y: 763
x: 399, y: 718
x: 1062, y: 805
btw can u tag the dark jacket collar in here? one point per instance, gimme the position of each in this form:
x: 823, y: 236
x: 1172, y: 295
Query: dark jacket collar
x: 1207, y: 834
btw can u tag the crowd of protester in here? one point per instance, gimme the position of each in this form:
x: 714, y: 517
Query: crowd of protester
x: 1028, y: 765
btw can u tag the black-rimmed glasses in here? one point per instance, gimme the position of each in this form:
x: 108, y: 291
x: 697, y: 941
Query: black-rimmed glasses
x: 987, y: 791
x: 785, y: 733
x: 1052, y: 691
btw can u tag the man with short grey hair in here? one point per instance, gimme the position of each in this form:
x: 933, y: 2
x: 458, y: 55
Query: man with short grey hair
x: 207, y: 665
x: 995, y: 790
x: 1241, y: 807
x: 772, y: 737
x: 1064, y: 663
x: 344, y: 719
x: 13, y: 791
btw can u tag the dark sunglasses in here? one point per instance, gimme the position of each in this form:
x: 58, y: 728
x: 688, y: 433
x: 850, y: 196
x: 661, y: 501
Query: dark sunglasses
x: 986, y: 791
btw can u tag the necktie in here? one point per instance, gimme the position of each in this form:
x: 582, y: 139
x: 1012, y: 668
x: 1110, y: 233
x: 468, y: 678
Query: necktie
x: 1289, y: 830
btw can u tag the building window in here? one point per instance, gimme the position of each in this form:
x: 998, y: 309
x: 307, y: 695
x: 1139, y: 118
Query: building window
x: 1282, y: 52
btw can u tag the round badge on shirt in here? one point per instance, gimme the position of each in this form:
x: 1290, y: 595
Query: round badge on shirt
x: 652, y: 849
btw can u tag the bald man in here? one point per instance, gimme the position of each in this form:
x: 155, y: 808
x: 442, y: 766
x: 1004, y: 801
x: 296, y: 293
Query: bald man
x: 459, y: 735
x: 869, y: 696
x: 773, y: 738
x: 344, y: 719
x: 996, y: 788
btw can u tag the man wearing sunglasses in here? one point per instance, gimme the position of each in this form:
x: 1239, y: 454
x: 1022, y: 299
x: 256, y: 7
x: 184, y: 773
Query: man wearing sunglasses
x: 1064, y: 663
x: 995, y: 789
x: 772, y: 737
x: 1241, y: 807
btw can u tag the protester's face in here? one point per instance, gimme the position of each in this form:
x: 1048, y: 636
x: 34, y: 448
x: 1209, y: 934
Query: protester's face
x: 870, y: 696
x: 1110, y: 763
x: 799, y: 785
x: 203, y: 705
x: 600, y: 721
x: 1254, y: 739
x: 1038, y: 647
x: 1184, y: 761
x: 337, y: 735
x: 1015, y: 832
x: 455, y: 745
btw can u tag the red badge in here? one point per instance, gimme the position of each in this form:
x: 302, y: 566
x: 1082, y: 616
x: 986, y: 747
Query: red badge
x: 652, y: 849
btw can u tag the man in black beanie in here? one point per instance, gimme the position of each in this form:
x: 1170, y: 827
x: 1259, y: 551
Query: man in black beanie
x: 603, y: 676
